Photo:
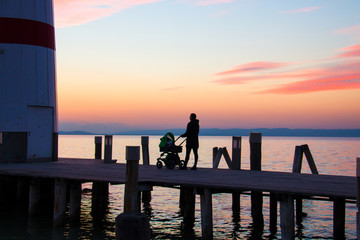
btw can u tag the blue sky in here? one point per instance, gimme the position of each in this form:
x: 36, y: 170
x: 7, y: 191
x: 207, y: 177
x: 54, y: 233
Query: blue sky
x: 247, y: 64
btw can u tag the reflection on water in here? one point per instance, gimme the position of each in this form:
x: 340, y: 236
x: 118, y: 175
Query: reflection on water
x: 332, y: 156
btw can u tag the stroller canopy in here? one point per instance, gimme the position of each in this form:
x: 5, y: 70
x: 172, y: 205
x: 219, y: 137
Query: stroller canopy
x: 167, y: 140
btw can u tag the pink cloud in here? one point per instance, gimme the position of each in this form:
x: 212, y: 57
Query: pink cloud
x: 349, y: 30
x: 352, y: 51
x: 207, y: 2
x: 78, y: 12
x: 323, y: 84
x: 340, y: 77
x: 211, y: 2
x: 253, y: 66
x: 302, y: 10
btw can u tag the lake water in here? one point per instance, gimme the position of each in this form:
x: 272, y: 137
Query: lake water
x: 335, y: 156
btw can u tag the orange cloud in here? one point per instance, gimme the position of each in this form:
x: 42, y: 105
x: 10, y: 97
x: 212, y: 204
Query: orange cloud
x: 302, y: 10
x: 253, y: 66
x: 78, y: 12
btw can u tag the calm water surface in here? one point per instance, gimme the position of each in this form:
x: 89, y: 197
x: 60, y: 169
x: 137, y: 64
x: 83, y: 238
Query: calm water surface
x: 335, y: 156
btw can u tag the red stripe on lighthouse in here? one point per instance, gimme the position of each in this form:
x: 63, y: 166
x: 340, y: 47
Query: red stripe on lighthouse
x: 24, y: 31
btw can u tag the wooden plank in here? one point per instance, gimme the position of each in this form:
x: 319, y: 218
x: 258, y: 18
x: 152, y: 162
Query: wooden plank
x: 310, y: 159
x: 217, y: 158
x: 227, y: 157
x: 86, y: 170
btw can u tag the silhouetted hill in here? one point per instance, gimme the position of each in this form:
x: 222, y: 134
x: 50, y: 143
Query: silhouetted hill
x: 285, y: 132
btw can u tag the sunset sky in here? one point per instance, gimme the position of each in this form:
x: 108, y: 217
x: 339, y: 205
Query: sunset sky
x: 148, y: 64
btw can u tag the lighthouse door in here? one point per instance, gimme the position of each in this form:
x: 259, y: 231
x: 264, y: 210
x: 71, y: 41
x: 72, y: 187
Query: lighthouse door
x: 40, y: 125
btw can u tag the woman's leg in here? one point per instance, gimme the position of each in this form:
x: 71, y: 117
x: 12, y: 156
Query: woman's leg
x: 195, y: 157
x: 187, y: 156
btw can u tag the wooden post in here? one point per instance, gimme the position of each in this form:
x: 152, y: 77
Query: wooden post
x: 99, y: 200
x: 298, y: 156
x: 108, y: 149
x: 273, y: 213
x: 34, y: 197
x: 189, y: 208
x: 206, y: 214
x: 236, y: 165
x: 145, y: 150
x: 215, y: 152
x: 146, y: 195
x: 339, y: 218
x: 59, y: 202
x: 255, y: 151
x: 75, y: 201
x: 236, y: 153
x: 98, y: 143
x: 256, y: 196
x: 287, y: 217
x: 132, y: 175
x: 132, y: 225
x: 358, y: 197
x: 297, y: 165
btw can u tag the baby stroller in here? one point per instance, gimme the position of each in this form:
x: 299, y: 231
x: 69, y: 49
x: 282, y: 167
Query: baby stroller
x: 169, y: 155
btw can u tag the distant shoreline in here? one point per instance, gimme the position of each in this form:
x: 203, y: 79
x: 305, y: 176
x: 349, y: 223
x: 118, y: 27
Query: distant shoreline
x: 274, y: 132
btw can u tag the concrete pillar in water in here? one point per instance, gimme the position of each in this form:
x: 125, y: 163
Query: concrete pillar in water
x: 28, y: 119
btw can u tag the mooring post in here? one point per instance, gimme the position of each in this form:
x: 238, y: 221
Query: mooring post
x: 146, y: 195
x: 287, y: 217
x: 75, y: 201
x: 256, y: 196
x: 59, y: 202
x: 339, y: 218
x: 297, y: 165
x: 358, y: 198
x: 236, y: 165
x: 108, y: 149
x: 100, y: 197
x: 34, y: 197
x: 145, y: 150
x: 132, y: 225
x: 188, y: 208
x: 206, y: 214
x: 98, y: 143
x: 132, y: 175
x: 215, y: 152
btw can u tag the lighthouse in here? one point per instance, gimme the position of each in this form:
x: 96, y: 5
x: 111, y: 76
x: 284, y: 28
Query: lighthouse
x: 28, y: 115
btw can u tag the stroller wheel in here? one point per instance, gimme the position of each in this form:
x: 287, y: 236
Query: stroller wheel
x: 182, y: 164
x: 159, y: 164
x: 170, y: 164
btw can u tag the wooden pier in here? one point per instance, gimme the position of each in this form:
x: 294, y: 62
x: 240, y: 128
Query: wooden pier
x: 286, y: 186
